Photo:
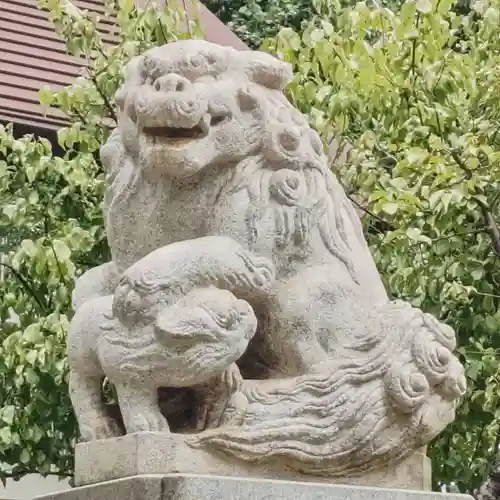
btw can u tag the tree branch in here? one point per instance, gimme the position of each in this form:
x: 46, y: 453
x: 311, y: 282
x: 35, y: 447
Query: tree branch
x: 491, y: 225
x: 388, y: 225
x: 25, y: 285
x: 79, y: 115
x: 104, y: 97
x: 461, y: 164
x: 490, y: 489
x: 49, y: 240
x: 478, y: 444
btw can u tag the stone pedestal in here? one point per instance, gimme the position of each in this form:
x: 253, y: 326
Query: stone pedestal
x: 161, y: 453
x: 197, y: 487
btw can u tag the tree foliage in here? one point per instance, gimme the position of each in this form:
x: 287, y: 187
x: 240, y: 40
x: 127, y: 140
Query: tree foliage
x: 415, y: 93
x: 254, y: 20
x: 51, y: 230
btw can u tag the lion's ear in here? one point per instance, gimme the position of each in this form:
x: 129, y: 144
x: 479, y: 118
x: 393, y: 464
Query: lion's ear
x: 265, y: 69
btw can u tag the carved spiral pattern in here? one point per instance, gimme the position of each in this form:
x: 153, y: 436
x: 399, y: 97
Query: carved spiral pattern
x: 283, y: 144
x: 287, y: 187
x: 406, y: 387
x: 429, y: 365
x: 433, y: 359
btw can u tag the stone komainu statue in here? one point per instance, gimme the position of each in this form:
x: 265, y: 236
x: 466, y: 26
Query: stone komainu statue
x: 240, y: 272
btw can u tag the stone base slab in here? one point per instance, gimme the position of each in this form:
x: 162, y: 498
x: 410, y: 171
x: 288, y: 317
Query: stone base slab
x: 162, y: 453
x: 195, y: 487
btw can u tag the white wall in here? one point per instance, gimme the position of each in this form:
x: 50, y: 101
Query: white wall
x: 31, y: 486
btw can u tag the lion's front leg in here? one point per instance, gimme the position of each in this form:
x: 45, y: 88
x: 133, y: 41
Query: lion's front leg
x: 140, y: 409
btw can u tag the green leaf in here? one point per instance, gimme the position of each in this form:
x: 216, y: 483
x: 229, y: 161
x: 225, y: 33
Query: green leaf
x: 46, y: 96
x: 29, y: 248
x: 25, y: 456
x: 317, y: 35
x: 7, y: 414
x: 415, y: 234
x: 61, y: 250
x: 424, y: 6
x: 327, y: 27
x: 323, y: 92
x: 9, y: 210
x: 291, y: 38
x: 31, y: 357
x: 5, y: 436
x: 416, y: 155
x: 390, y: 208
x: 32, y: 333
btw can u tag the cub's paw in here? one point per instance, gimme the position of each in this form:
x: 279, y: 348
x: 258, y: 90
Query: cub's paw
x: 93, y: 428
x: 147, y: 422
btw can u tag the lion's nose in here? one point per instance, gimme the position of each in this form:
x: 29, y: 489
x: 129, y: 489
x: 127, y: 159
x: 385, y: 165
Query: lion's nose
x: 168, y: 109
x: 171, y: 83
x: 187, y: 108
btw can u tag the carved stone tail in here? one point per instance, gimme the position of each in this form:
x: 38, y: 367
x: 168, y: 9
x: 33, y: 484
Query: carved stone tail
x: 362, y: 413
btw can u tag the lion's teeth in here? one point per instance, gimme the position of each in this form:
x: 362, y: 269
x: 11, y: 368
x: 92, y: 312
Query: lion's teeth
x: 205, y: 123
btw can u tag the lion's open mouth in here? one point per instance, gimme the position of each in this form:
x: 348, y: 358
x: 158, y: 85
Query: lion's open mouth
x: 175, y: 133
x: 184, y: 133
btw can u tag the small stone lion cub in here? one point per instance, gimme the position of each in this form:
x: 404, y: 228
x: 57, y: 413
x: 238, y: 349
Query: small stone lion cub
x: 177, y: 319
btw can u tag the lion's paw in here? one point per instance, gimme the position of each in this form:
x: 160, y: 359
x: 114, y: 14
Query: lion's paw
x: 259, y: 273
x: 231, y: 379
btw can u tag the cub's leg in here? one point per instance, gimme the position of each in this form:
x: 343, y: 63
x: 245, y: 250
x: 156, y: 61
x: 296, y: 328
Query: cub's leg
x: 140, y: 408
x: 86, y: 396
x: 85, y: 372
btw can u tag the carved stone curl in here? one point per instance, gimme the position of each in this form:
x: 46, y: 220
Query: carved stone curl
x: 240, y: 271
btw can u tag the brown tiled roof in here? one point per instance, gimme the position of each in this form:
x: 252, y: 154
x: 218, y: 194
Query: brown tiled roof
x: 33, y: 56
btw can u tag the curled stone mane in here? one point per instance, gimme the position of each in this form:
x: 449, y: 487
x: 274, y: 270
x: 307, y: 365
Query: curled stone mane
x: 290, y: 173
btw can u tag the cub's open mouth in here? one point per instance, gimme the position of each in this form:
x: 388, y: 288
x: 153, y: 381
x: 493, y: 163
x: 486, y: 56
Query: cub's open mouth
x: 184, y: 133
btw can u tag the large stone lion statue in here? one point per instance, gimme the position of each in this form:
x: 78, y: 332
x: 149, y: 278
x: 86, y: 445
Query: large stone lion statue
x: 337, y: 379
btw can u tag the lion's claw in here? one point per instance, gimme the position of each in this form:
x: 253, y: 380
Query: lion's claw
x: 260, y: 272
x: 232, y: 379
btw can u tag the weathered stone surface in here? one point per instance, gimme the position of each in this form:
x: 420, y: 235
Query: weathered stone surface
x: 196, y: 487
x: 179, y: 330
x: 162, y: 453
x: 240, y: 274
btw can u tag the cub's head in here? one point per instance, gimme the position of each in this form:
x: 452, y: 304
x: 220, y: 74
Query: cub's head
x: 211, y: 318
